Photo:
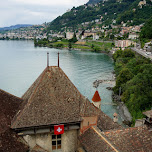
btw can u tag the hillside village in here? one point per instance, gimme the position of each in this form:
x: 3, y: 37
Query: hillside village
x: 122, y: 35
x: 27, y: 33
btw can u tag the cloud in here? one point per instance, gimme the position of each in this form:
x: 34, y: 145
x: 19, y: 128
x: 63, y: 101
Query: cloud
x: 51, y: 3
x: 33, y: 11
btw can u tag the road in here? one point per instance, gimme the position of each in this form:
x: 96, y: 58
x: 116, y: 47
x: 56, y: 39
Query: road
x: 143, y: 53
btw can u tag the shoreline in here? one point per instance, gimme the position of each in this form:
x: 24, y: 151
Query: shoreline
x: 122, y: 109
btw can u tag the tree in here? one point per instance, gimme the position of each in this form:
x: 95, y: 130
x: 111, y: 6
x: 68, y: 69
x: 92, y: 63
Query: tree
x: 146, y: 31
x: 74, y: 39
x: 124, y: 76
x: 128, y: 53
x: 35, y: 42
x: 138, y: 92
x: 117, y: 54
x: 70, y: 45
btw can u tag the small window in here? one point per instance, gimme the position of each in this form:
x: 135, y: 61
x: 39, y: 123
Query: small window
x: 53, y: 136
x: 56, y: 142
x: 59, y: 136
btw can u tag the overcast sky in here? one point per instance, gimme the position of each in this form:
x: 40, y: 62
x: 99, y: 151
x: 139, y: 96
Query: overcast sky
x: 33, y: 11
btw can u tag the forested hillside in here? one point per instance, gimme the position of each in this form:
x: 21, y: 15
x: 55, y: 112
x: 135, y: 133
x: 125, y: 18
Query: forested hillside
x: 134, y: 79
x: 146, y: 32
x: 107, y: 12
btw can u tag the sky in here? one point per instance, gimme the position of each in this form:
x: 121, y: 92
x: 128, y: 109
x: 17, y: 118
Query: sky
x: 14, y: 12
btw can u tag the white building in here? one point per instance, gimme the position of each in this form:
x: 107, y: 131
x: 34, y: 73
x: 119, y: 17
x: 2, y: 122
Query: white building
x: 133, y: 36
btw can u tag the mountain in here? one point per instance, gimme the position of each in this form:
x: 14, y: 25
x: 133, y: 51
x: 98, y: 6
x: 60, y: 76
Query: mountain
x: 102, y: 14
x: 14, y: 27
x: 93, y: 1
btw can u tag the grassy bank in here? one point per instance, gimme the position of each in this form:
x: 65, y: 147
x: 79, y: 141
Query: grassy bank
x: 88, y: 45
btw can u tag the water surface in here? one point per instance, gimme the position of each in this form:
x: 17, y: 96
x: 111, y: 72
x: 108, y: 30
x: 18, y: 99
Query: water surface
x: 21, y: 63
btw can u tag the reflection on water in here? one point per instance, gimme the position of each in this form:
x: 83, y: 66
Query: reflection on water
x: 21, y: 63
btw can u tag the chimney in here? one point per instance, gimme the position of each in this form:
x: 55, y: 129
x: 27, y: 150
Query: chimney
x: 58, y: 59
x: 47, y: 59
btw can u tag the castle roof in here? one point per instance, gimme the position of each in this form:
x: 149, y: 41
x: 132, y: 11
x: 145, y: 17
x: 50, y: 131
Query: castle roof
x: 96, y: 97
x: 135, y: 139
x: 53, y: 99
x: 93, y: 141
x: 9, y: 106
x: 104, y: 122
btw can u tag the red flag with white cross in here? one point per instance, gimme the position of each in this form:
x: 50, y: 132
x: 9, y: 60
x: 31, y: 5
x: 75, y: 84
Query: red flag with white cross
x: 58, y: 129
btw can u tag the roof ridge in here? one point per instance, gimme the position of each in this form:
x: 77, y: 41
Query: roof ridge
x: 28, y: 102
x: 124, y: 129
x: 10, y: 94
x: 104, y: 138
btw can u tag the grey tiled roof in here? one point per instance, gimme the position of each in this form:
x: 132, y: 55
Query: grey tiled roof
x: 106, y: 123
x: 135, y: 139
x: 9, y: 106
x: 53, y: 99
x: 93, y: 142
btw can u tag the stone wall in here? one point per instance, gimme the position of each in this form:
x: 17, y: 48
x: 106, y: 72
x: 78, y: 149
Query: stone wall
x: 69, y: 142
x: 88, y: 122
x: 97, y: 104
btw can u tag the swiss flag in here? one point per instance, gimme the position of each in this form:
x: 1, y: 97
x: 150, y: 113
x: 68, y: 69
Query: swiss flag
x: 58, y: 129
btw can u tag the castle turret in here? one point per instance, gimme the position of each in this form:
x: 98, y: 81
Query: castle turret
x: 96, y: 100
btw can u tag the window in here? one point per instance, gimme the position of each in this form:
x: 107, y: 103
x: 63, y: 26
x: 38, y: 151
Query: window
x: 56, y: 142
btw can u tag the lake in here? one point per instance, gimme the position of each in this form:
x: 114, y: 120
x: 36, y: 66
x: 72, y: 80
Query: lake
x: 21, y: 63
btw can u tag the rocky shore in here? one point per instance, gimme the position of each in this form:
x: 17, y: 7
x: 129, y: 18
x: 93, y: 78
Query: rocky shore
x: 123, y: 110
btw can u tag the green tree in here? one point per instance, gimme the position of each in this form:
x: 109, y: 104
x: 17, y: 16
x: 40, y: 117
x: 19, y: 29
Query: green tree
x: 74, y: 39
x: 35, y: 42
x: 146, y: 32
x: 124, y: 76
x: 69, y: 45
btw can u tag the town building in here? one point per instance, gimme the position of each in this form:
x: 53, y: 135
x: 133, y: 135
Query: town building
x: 148, y: 46
x: 124, y: 43
x: 69, y: 35
x: 89, y: 33
x: 142, y: 3
x: 133, y: 36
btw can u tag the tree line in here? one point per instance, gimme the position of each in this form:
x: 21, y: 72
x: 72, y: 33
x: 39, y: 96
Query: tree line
x: 134, y: 79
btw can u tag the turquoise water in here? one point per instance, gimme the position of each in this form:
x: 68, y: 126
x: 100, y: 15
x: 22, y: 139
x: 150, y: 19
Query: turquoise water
x: 21, y: 63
